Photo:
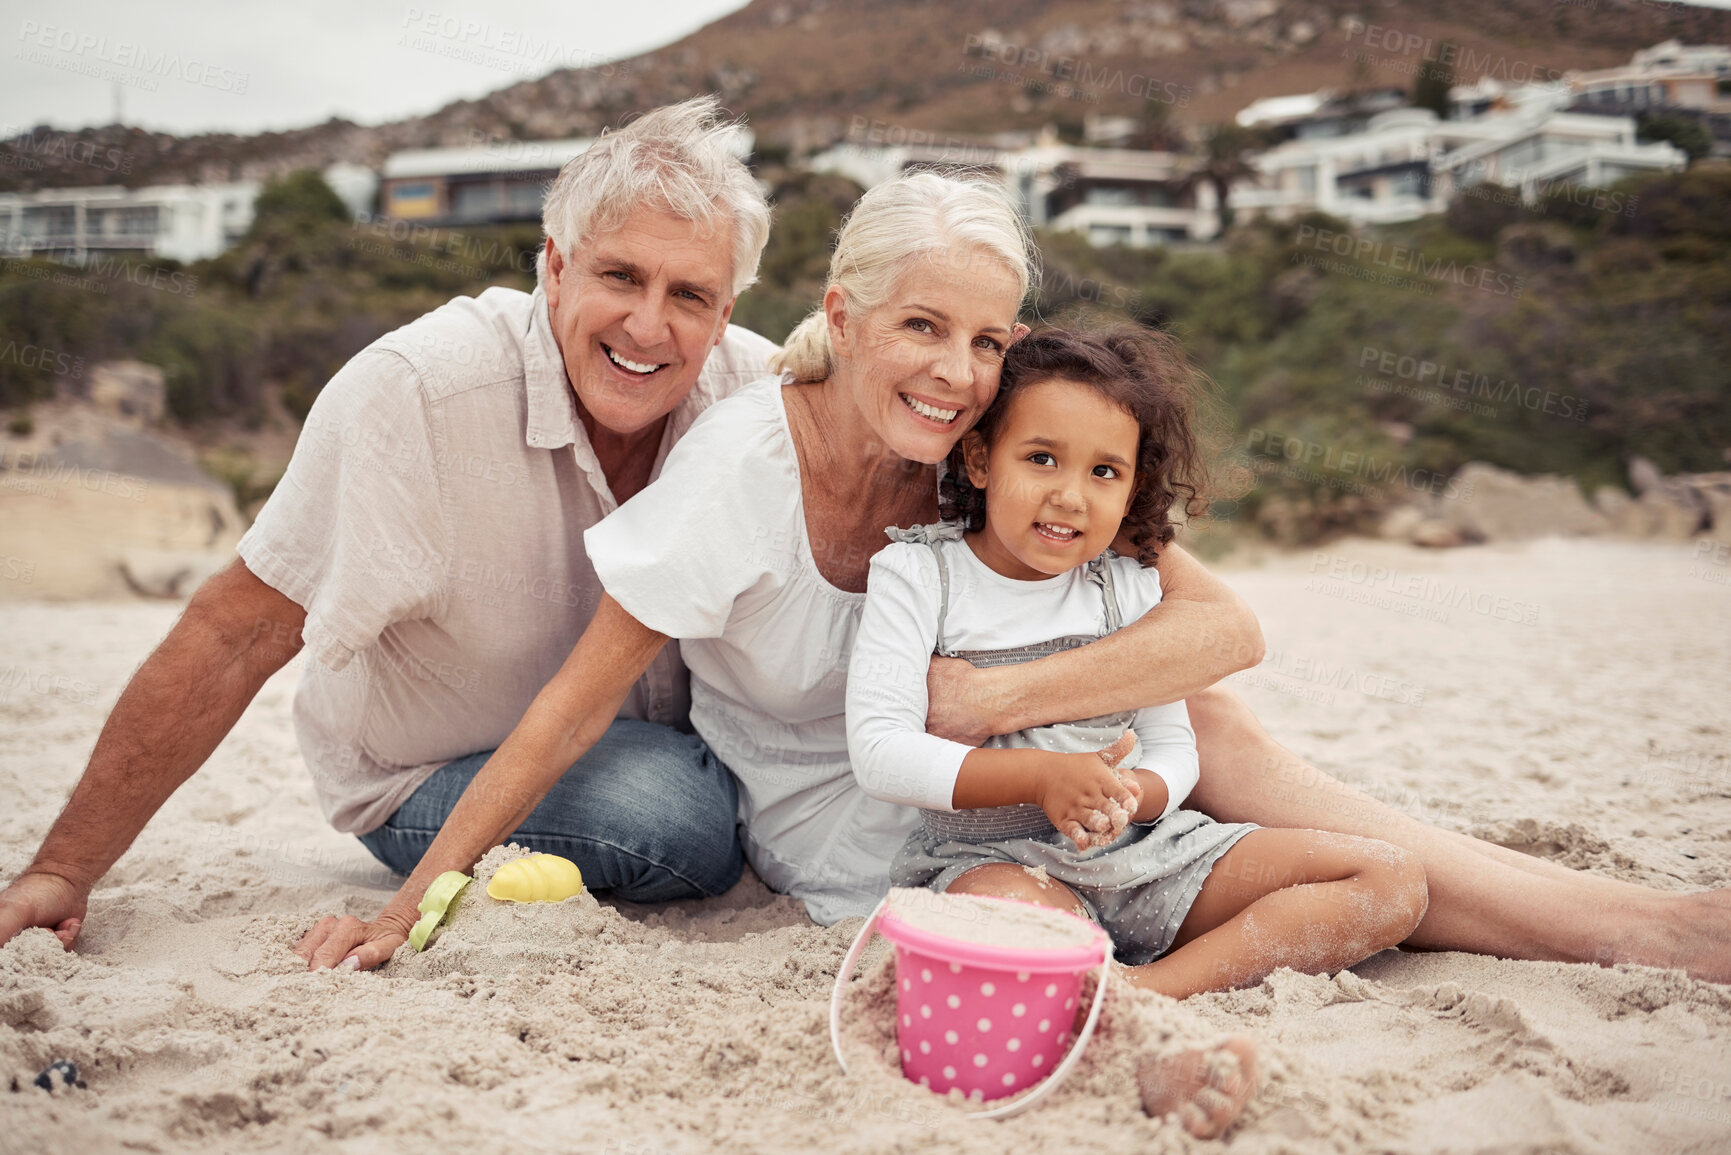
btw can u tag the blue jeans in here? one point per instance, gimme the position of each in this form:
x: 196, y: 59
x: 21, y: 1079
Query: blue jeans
x: 648, y: 813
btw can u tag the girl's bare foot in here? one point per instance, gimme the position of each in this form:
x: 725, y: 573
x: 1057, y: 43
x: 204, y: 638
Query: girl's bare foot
x: 1204, y: 1090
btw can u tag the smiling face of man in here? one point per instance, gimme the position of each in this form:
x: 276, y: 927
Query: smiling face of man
x: 636, y: 311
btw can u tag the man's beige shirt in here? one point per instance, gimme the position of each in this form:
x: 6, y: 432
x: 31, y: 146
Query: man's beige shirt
x: 431, y: 524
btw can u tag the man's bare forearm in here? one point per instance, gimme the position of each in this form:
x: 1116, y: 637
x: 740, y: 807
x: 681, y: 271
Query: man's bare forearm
x: 1199, y: 633
x: 183, y: 700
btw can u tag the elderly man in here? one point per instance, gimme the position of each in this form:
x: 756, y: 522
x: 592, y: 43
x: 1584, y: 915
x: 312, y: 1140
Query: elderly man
x: 426, y: 543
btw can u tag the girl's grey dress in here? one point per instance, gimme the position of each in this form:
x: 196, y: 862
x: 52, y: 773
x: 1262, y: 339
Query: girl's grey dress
x: 1141, y: 886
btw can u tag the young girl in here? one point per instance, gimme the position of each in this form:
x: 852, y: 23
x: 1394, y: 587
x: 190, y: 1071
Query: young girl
x: 1089, y: 443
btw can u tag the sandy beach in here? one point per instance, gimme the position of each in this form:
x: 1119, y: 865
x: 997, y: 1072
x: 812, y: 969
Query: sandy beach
x: 1566, y: 698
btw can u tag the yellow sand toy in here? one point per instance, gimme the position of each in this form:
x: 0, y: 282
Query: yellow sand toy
x: 435, y: 903
x: 537, y: 878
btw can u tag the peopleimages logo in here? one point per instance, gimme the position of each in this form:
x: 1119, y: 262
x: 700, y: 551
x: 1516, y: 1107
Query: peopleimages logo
x: 1407, y: 260
x: 1404, y: 591
x: 1464, y: 61
x: 100, y: 50
x: 146, y: 276
x: 987, y: 46
x: 41, y: 357
x: 1265, y: 445
x: 1440, y: 375
x: 1546, y: 192
x: 509, y: 49
x: 28, y: 149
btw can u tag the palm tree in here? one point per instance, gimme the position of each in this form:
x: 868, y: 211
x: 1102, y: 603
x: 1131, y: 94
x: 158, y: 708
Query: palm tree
x: 1226, y: 160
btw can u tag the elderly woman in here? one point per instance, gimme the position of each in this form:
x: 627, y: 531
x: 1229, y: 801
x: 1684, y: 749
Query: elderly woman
x: 753, y: 546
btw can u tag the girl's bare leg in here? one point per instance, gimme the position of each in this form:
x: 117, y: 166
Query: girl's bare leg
x: 1205, y: 1089
x: 1483, y: 898
x: 1303, y: 899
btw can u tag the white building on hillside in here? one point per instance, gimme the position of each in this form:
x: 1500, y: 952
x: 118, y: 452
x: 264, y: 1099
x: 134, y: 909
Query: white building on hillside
x: 1668, y: 75
x: 1111, y: 195
x: 1407, y: 163
x: 496, y: 181
x: 1564, y: 148
x: 177, y: 222
x: 172, y: 222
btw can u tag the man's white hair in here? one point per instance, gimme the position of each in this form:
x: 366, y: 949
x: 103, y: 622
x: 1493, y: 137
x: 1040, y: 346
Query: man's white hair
x: 676, y: 158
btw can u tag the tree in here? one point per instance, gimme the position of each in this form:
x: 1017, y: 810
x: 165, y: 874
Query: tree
x: 1430, y: 88
x: 1685, y: 132
x: 1226, y: 151
x: 301, y: 198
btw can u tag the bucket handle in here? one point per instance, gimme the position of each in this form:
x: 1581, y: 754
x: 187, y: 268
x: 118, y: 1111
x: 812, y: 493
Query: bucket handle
x: 1049, y: 1084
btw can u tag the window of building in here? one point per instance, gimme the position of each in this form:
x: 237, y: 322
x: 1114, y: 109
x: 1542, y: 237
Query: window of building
x: 1108, y: 195
x: 124, y: 222
x: 1406, y: 183
x: 524, y: 199
x: 1130, y: 195
x: 1109, y: 234
x: 42, y: 222
x: 475, y: 201
x: 411, y: 201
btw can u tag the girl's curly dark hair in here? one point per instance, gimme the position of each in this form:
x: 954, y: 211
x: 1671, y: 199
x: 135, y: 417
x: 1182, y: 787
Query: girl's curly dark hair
x: 1143, y: 370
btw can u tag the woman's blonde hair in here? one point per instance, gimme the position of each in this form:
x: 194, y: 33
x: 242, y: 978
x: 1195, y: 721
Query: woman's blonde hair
x: 919, y: 219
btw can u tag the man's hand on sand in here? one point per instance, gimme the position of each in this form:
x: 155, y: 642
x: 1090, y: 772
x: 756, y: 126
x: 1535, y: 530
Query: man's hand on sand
x: 351, y: 944
x: 45, y: 900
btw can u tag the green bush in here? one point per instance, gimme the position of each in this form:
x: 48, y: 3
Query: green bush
x: 1685, y: 132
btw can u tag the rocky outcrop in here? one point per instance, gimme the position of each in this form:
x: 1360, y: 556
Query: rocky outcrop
x: 95, y: 506
x: 1679, y: 506
x: 164, y: 573
x: 1485, y: 503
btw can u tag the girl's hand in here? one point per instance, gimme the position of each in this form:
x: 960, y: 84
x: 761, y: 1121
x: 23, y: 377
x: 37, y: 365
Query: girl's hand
x: 1134, y: 785
x: 1084, y: 796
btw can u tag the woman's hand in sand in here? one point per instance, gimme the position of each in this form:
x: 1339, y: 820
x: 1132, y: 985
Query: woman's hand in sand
x: 351, y: 944
x: 1084, y: 796
x: 37, y: 898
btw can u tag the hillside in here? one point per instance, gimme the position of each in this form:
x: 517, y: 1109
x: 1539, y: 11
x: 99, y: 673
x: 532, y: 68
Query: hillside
x: 802, y: 70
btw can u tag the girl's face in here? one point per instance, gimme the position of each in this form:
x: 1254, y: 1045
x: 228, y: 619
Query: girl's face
x: 1058, y: 476
x: 924, y: 365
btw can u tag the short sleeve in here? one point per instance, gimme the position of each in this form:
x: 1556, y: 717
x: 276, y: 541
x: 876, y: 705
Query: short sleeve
x: 355, y: 530
x: 1137, y: 587
x: 721, y: 517
x: 893, y: 757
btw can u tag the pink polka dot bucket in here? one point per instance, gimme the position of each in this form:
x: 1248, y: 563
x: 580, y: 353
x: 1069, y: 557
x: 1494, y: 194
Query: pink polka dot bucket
x: 986, y: 991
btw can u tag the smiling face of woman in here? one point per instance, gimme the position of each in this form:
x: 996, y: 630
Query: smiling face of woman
x: 923, y: 366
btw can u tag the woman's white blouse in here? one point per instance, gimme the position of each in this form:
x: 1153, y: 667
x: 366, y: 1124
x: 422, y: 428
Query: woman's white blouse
x: 716, y: 554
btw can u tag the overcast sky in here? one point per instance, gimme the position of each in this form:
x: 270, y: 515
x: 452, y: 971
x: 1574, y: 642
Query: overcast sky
x: 197, y: 65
